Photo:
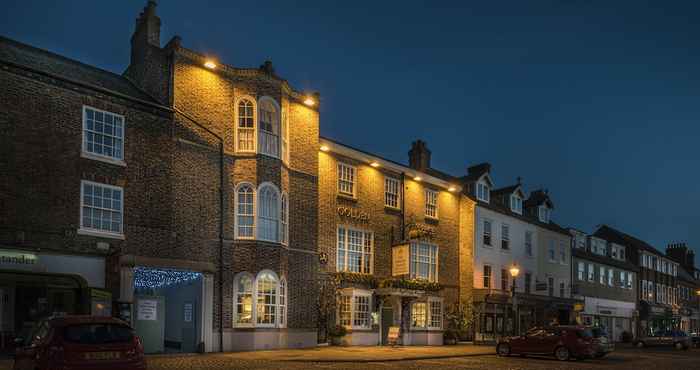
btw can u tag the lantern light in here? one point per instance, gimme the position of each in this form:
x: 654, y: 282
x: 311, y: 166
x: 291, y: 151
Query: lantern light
x: 210, y: 64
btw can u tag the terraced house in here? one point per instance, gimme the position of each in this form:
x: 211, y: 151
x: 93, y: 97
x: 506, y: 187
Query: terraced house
x: 390, y: 240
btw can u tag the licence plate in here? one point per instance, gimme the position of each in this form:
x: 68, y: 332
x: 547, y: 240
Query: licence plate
x: 102, y: 355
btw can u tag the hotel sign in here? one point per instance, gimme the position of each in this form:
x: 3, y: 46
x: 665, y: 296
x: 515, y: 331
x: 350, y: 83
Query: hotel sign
x: 399, y: 260
x: 354, y: 214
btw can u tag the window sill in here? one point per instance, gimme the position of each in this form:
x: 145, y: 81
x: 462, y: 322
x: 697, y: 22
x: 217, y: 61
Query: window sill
x: 391, y: 209
x: 347, y: 197
x: 101, y: 234
x: 431, y: 219
x: 97, y: 157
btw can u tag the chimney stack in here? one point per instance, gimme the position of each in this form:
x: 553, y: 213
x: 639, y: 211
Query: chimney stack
x: 419, y: 156
x: 680, y: 253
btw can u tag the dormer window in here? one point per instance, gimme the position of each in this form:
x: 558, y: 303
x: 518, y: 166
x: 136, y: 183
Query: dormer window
x: 543, y: 214
x: 516, y: 204
x: 483, y: 192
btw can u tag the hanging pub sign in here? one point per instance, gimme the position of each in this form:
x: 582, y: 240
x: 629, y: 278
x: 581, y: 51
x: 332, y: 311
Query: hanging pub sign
x: 354, y: 214
x: 399, y: 260
x: 418, y: 230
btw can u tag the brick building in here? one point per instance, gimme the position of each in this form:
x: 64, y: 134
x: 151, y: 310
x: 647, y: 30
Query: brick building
x: 390, y: 239
x: 688, y: 287
x: 184, y: 190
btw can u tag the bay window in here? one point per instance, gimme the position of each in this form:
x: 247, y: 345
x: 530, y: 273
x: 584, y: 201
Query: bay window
x: 269, y: 130
x: 260, y: 301
x: 268, y: 213
x: 355, y: 309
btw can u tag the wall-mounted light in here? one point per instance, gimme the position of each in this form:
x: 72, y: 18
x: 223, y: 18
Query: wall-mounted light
x: 325, y: 148
x: 309, y: 101
x: 210, y: 64
x: 417, y: 178
x: 374, y: 164
x: 451, y: 188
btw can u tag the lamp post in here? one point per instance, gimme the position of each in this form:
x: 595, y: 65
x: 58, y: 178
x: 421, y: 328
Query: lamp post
x: 514, y: 271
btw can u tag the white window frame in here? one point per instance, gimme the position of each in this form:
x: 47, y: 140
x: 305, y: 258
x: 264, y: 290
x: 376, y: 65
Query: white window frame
x: 413, y: 260
x: 562, y: 253
x: 281, y: 301
x: 630, y: 280
x: 279, y: 127
x: 284, y: 133
x: 284, y: 218
x: 431, y: 203
x: 352, y: 170
x: 591, y: 273
x: 364, y: 255
x: 83, y: 230
x: 490, y: 276
x: 97, y: 156
x: 483, y: 191
x: 488, y: 233
x: 392, y: 184
x: 352, y: 293
x: 601, y: 276
x: 552, y: 251
x: 516, y: 204
x: 236, y: 214
x: 254, y: 103
x: 275, y: 212
x: 581, y: 271
x: 505, y: 237
x: 543, y: 213
x: 438, y: 301
x: 426, y: 314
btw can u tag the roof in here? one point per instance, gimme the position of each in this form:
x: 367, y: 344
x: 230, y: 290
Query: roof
x: 23, y: 55
x: 603, y: 260
x: 506, y: 190
x: 612, y: 235
x: 476, y: 172
x: 686, y: 276
x: 504, y: 209
x: 537, y: 197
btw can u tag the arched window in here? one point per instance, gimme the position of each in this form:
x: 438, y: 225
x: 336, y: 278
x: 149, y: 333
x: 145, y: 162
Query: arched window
x: 283, y: 303
x: 269, y: 142
x: 268, y: 213
x: 284, y: 220
x: 245, y: 129
x: 266, y: 309
x: 243, y: 298
x: 245, y: 211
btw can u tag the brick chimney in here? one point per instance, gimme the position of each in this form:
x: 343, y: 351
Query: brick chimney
x: 680, y: 253
x: 479, y: 168
x: 419, y: 156
x: 147, y: 26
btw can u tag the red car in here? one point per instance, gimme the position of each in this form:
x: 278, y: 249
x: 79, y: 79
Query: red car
x: 563, y: 342
x: 80, y: 342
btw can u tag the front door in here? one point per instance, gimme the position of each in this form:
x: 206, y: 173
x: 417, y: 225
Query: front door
x: 149, y: 322
x: 387, y: 321
x: 189, y: 327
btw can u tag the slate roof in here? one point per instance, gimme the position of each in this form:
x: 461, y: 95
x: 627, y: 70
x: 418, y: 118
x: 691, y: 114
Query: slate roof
x: 475, y: 172
x: 604, y: 260
x: 536, y: 198
x: 496, y: 206
x: 40, y: 60
x: 505, y: 190
x: 612, y: 235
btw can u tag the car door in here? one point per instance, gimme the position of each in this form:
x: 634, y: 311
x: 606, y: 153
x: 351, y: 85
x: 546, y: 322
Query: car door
x: 550, y: 340
x: 532, y: 341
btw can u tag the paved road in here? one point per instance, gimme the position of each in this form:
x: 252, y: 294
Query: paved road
x: 633, y: 359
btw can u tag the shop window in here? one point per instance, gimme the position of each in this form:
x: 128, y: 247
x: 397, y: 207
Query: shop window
x: 260, y: 301
x: 269, y: 130
x: 103, y: 135
x: 431, y: 203
x: 418, y: 314
x: 268, y: 213
x: 354, y: 309
x: 245, y: 131
x: 392, y: 194
x: 355, y: 250
x: 102, y: 209
x: 245, y: 211
x: 346, y: 179
x: 423, y: 261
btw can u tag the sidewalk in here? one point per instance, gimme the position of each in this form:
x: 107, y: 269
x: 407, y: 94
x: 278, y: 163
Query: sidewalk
x: 360, y: 354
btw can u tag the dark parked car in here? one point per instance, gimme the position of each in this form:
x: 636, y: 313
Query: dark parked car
x: 563, y: 342
x: 80, y: 342
x: 674, y: 338
x: 695, y: 339
x: 601, y: 342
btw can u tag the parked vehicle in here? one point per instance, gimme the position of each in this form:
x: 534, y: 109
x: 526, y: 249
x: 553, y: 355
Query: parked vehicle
x: 601, y: 342
x: 695, y: 339
x: 562, y: 342
x: 80, y: 342
x: 676, y: 338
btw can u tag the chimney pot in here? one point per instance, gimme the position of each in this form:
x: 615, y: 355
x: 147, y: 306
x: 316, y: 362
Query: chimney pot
x: 419, y: 156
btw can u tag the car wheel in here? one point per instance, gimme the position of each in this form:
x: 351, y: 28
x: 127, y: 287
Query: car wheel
x: 503, y: 349
x: 640, y: 344
x: 562, y: 353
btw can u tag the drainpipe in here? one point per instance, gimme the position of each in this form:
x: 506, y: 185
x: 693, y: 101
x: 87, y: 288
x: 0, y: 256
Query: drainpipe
x: 221, y: 223
x: 403, y: 206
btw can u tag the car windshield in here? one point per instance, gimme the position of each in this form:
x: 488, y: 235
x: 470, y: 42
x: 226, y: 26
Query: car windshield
x: 97, y: 333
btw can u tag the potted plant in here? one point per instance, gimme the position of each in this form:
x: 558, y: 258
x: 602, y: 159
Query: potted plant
x: 336, y: 333
x: 450, y: 337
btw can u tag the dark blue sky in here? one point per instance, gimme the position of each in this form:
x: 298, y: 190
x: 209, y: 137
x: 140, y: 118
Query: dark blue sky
x: 597, y: 101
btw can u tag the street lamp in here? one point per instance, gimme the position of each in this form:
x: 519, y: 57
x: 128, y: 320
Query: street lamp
x: 514, y: 271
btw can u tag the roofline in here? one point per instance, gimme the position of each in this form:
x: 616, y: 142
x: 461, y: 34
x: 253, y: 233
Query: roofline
x: 363, y: 156
x: 86, y: 85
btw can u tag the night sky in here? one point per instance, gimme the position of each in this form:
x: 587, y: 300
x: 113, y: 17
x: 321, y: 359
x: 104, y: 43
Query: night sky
x: 597, y: 101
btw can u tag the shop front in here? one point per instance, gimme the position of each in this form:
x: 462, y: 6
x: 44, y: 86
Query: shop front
x: 616, y: 317
x: 654, y: 318
x: 34, y: 286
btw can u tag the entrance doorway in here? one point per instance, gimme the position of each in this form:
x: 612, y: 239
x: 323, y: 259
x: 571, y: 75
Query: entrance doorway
x: 167, y: 304
x: 387, y: 322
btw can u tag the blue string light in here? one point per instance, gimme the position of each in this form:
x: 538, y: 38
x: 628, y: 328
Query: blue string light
x: 152, y: 278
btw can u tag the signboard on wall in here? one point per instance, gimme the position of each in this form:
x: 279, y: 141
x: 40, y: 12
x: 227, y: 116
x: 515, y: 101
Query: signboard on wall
x: 147, y: 309
x: 399, y: 260
x: 188, y: 312
x: 393, y: 336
